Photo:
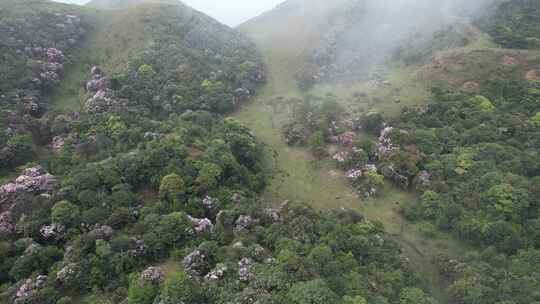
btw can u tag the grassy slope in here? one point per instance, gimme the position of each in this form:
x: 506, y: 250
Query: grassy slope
x: 300, y: 176
x: 304, y: 179
x: 118, y: 35
x: 405, y: 90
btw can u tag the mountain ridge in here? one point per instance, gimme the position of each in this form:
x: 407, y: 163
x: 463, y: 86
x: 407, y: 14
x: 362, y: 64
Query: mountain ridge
x: 121, y: 4
x: 346, y: 153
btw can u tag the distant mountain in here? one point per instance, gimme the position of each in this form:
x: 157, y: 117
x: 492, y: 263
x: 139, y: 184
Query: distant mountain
x: 116, y: 4
x: 333, y: 40
x: 79, y: 2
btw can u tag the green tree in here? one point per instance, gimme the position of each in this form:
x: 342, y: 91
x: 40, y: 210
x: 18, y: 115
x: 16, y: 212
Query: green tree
x: 146, y: 70
x: 115, y: 125
x: 180, y: 288
x: 312, y: 292
x: 317, y: 144
x: 321, y: 259
x: 354, y: 300
x: 535, y: 120
x: 172, y: 187
x: 506, y: 200
x: 483, y: 103
x: 19, y: 150
x: 64, y: 300
x: 429, y: 202
x: 174, y: 229
x: 66, y: 213
x: 103, y: 248
x: 208, y: 177
x: 427, y: 141
x: 368, y: 146
x: 374, y: 179
x: 373, y: 123
x: 414, y: 296
x: 140, y: 292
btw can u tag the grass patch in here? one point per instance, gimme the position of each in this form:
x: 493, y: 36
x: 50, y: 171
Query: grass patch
x: 301, y: 177
x: 403, y: 90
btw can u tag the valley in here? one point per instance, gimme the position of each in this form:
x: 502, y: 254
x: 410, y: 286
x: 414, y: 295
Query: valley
x: 302, y: 177
x: 344, y: 152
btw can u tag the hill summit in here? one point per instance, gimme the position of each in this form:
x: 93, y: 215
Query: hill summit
x: 118, y: 4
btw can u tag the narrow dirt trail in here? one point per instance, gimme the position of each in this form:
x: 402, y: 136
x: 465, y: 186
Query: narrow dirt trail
x: 300, y: 177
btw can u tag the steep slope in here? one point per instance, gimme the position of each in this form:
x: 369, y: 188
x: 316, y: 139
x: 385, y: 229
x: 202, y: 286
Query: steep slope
x: 344, y: 40
x: 514, y: 24
x: 484, y: 98
x: 284, y: 35
x: 174, y: 37
x: 143, y: 193
x: 37, y: 43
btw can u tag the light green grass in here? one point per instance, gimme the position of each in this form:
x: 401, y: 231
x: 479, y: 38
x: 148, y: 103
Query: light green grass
x: 405, y: 90
x: 70, y: 95
x: 299, y: 176
x: 170, y: 267
x: 421, y: 250
x: 116, y: 37
x: 302, y: 178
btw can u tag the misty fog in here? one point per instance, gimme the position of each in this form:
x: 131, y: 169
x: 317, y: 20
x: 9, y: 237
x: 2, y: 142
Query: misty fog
x: 230, y: 12
x: 375, y: 29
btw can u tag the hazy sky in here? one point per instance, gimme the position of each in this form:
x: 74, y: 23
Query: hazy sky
x: 231, y: 12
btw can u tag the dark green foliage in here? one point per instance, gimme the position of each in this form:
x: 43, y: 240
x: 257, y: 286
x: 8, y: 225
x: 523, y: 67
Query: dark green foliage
x: 33, y: 49
x: 179, y: 287
x: 18, y: 150
x: 65, y: 213
x: 481, y: 152
x: 312, y: 121
x: 515, y: 24
x: 142, y: 170
x: 312, y: 292
x: 373, y: 123
x: 319, y: 258
x: 39, y: 259
x: 141, y: 292
x: 414, y: 296
x: 317, y: 144
x: 193, y: 64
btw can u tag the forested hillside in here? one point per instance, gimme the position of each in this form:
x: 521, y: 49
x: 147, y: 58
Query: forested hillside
x: 514, y: 24
x: 479, y: 140
x: 467, y: 147
x: 35, y: 48
x: 393, y: 156
x: 124, y: 183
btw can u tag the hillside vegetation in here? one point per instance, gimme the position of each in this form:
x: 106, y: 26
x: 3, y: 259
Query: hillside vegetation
x: 373, y: 156
x: 514, y: 24
x: 449, y: 113
x: 124, y: 183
